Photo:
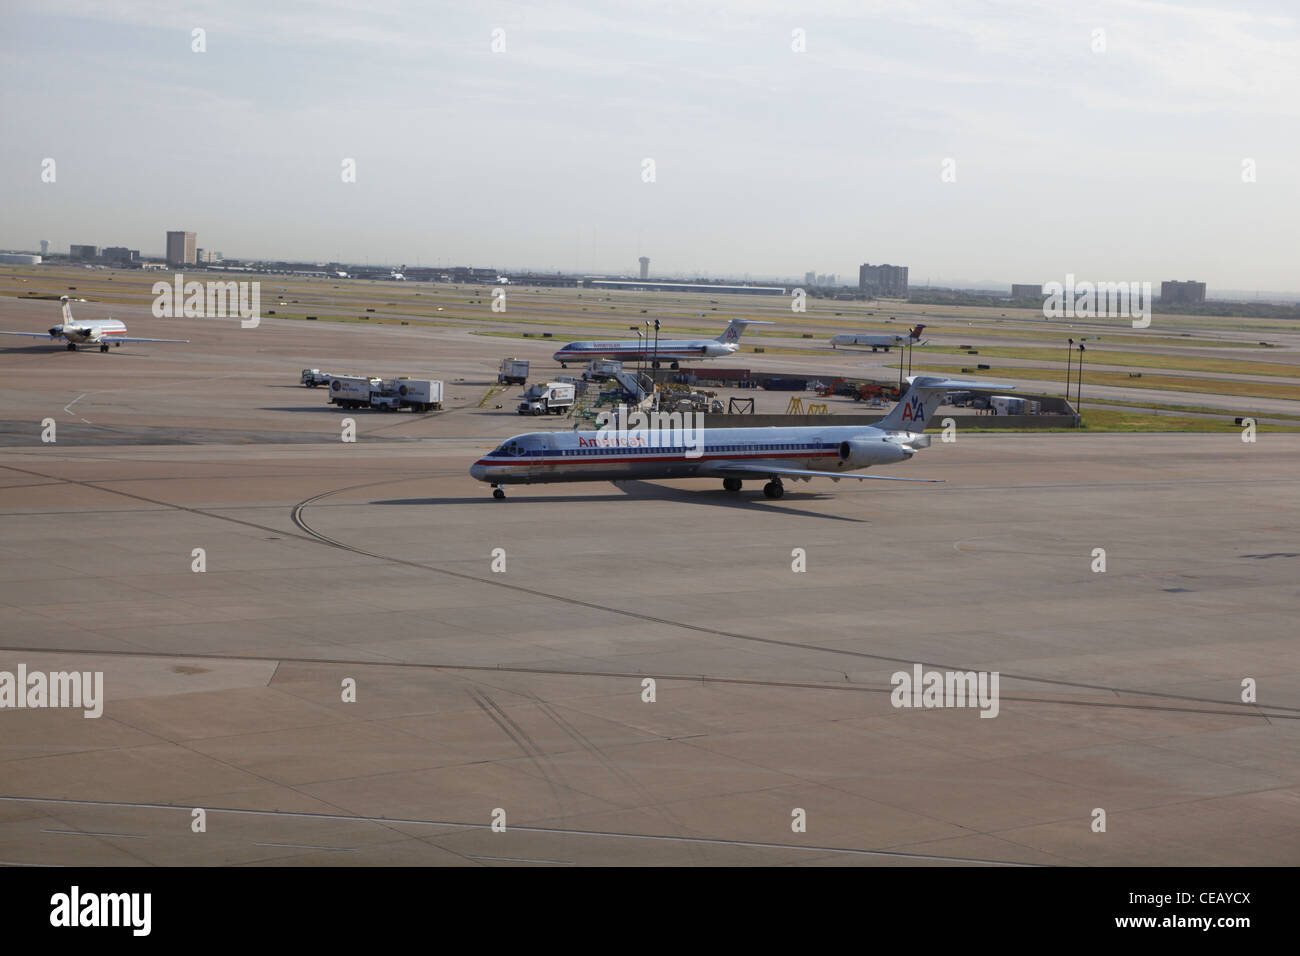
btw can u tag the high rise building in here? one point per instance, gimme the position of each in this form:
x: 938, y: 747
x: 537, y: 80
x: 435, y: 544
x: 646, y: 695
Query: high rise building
x: 1026, y: 290
x: 182, y: 248
x: 883, y: 279
x: 810, y: 278
x: 645, y: 267
x: 1182, y: 293
x: 83, y: 252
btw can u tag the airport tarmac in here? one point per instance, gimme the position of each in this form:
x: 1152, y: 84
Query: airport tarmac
x: 520, y: 693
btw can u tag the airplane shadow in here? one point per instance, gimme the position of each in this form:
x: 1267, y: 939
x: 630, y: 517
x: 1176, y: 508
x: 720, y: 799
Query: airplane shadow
x: 647, y: 491
x: 62, y: 350
x: 307, y: 408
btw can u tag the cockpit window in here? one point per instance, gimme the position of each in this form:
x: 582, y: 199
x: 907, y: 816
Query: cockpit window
x: 511, y: 449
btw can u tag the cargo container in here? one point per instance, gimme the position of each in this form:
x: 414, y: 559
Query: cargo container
x: 513, y: 371
x: 417, y: 394
x: 351, y: 391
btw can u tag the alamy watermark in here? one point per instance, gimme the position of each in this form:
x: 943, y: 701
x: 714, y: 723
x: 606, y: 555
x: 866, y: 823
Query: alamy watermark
x: 1085, y: 299
x: 37, y: 689
x: 216, y: 300
x: 621, y: 428
x: 931, y: 689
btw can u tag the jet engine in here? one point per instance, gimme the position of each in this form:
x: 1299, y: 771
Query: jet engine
x: 861, y: 454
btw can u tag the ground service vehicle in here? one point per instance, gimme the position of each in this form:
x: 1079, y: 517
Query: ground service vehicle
x: 513, y: 371
x: 419, y: 395
x: 551, y: 398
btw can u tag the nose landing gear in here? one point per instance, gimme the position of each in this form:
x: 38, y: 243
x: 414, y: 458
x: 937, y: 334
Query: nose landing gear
x: 498, y: 492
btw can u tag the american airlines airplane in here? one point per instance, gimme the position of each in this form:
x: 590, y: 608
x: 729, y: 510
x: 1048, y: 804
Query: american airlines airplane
x: 99, y: 332
x: 732, y: 454
x: 668, y: 350
x: 885, y: 342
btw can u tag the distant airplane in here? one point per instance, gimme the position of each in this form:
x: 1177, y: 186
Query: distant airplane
x: 885, y: 342
x: 668, y: 350
x: 732, y: 454
x: 99, y: 332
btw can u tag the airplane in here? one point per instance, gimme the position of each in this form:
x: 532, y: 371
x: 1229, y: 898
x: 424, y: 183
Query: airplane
x: 732, y: 454
x: 668, y: 350
x: 885, y: 342
x: 87, y: 331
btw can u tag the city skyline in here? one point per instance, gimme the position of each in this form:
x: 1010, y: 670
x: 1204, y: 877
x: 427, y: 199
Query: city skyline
x: 765, y: 159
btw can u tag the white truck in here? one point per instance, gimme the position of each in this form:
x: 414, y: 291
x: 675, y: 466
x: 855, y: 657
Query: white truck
x: 311, y: 377
x: 513, y: 371
x: 552, y: 398
x: 601, y: 370
x: 351, y: 391
x: 1014, y: 405
x: 418, y: 394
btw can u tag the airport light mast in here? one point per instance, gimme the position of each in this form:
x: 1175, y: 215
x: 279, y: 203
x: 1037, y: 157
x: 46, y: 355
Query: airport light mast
x: 1069, y: 365
x: 1078, y: 405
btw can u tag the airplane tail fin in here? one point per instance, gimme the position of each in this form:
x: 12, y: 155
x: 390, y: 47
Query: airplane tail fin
x: 925, y: 394
x: 736, y: 327
x: 67, y: 309
x: 915, y: 334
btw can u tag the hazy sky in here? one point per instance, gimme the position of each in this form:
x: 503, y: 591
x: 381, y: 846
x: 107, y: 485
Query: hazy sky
x: 1122, y: 164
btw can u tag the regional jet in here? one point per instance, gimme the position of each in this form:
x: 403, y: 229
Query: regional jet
x: 732, y: 454
x: 667, y: 350
x: 885, y: 342
x: 76, y: 332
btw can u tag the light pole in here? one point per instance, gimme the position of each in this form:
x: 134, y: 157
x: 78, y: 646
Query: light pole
x: 1078, y: 405
x: 1069, y: 366
x: 656, y: 362
x: 640, y: 356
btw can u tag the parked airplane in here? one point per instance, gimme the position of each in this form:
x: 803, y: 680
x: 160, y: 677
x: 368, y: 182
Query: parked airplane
x: 732, y: 454
x: 76, y: 332
x: 668, y: 350
x: 885, y: 342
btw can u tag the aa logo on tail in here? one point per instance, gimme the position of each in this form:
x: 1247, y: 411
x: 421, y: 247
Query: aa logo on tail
x: 913, y: 409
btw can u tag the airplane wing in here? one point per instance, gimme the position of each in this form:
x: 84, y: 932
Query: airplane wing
x: 803, y: 473
x: 34, y: 335
x: 123, y: 338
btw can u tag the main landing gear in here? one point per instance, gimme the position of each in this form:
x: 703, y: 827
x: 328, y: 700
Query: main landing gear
x: 72, y: 346
x: 498, y: 492
x: 773, y: 489
x: 103, y: 347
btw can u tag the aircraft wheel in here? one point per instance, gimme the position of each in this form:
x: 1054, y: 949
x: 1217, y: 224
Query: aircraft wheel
x: 654, y: 364
x: 730, y: 484
x: 72, y: 346
x: 103, y: 348
x: 676, y: 365
x: 774, y: 489
x: 498, y: 494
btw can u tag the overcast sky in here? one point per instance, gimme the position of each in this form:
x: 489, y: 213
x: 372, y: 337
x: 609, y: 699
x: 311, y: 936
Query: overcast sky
x: 1121, y: 164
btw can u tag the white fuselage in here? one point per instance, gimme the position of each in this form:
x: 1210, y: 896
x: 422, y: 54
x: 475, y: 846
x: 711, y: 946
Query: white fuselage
x: 674, y: 350
x: 92, y: 331
x: 541, y: 457
x: 885, y: 342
